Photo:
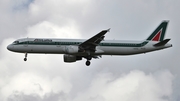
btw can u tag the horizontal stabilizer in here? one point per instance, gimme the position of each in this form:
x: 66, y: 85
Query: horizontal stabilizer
x: 162, y: 43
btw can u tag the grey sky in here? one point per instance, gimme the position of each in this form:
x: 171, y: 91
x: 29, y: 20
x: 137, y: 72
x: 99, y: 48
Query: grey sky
x: 146, y: 77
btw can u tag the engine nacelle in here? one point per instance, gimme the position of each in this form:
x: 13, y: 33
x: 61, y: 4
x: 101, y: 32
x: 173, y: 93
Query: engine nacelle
x: 71, y: 49
x: 71, y: 58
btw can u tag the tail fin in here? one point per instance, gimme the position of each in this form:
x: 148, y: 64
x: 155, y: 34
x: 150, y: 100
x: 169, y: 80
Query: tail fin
x: 159, y: 33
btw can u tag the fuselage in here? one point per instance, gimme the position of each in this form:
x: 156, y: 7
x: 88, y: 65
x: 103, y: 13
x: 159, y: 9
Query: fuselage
x: 76, y: 49
x: 62, y: 46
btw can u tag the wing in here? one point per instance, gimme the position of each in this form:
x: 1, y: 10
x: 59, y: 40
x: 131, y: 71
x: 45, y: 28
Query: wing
x: 90, y: 44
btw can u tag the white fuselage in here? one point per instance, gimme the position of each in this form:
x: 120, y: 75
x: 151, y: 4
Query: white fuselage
x: 61, y: 46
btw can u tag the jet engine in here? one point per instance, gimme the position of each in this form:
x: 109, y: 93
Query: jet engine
x: 71, y: 58
x: 71, y: 49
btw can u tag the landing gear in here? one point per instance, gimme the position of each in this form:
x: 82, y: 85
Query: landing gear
x: 89, y: 57
x: 88, y: 63
x: 25, y: 59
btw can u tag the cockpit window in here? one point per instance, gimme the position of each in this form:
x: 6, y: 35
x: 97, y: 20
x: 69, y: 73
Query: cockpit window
x: 16, y: 42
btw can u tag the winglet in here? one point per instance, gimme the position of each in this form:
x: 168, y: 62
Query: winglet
x: 108, y: 30
x: 162, y: 43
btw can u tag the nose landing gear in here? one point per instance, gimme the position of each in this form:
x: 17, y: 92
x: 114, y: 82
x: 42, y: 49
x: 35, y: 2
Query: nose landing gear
x: 25, y: 59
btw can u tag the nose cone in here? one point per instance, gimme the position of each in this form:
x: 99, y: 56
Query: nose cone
x: 10, y: 47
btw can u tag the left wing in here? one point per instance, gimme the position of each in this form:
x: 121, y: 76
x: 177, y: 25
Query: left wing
x: 90, y: 44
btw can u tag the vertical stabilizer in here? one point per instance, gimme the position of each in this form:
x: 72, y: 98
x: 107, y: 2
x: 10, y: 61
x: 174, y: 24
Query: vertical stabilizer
x: 159, y: 32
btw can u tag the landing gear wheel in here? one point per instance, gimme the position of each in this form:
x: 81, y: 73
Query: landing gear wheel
x: 88, y: 63
x: 25, y: 59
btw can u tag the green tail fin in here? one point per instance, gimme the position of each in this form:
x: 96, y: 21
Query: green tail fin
x: 159, y: 32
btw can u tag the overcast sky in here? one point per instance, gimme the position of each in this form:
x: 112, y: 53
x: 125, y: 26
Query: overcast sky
x: 153, y: 76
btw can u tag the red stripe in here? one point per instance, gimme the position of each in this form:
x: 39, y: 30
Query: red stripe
x: 157, y: 36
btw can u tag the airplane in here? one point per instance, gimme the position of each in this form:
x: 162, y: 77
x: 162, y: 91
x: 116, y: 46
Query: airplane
x: 77, y: 49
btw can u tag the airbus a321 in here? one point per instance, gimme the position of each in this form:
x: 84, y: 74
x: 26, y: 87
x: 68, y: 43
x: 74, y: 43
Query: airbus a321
x: 77, y: 49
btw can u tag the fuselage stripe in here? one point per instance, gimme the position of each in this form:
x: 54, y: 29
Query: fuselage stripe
x: 77, y: 43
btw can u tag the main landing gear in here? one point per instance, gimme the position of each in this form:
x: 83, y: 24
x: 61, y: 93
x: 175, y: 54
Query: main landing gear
x: 88, y: 61
x: 25, y: 59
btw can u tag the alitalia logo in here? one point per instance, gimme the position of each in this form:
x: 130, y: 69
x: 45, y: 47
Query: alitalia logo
x: 159, y: 32
x: 157, y: 36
